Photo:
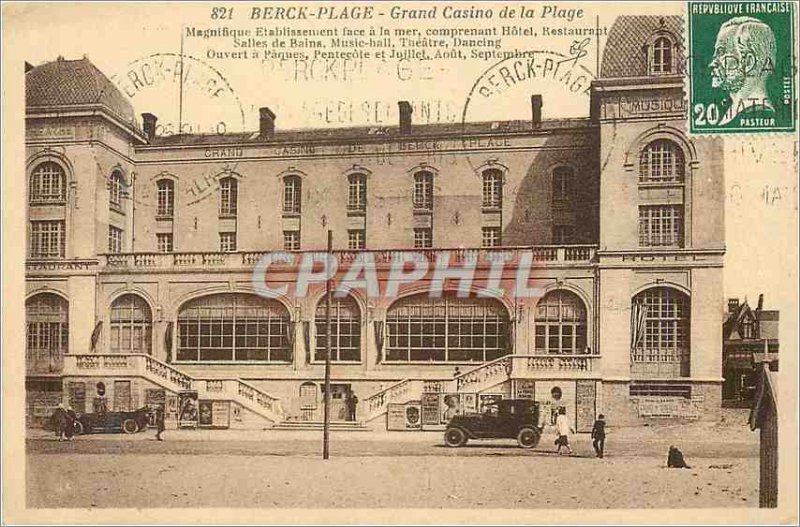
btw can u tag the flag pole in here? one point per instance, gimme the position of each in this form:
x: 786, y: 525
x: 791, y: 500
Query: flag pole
x: 327, y: 396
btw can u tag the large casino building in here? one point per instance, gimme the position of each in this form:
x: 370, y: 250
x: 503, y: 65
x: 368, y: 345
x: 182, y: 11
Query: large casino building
x: 142, y: 248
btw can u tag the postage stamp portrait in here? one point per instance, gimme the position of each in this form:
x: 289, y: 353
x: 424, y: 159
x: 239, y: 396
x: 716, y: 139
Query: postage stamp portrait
x: 742, y: 67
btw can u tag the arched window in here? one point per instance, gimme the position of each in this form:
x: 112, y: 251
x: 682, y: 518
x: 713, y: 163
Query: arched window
x: 228, y: 196
x: 660, y: 332
x: 131, y: 329
x: 662, y: 56
x: 357, y: 192
x: 560, y: 323
x: 165, y: 205
x: 115, y: 184
x: 447, y: 329
x: 47, y: 333
x: 292, y: 192
x: 492, y: 188
x: 230, y: 327
x: 423, y: 190
x: 47, y: 184
x: 662, y: 161
x: 345, y: 330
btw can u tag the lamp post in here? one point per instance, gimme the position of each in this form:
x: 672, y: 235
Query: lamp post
x: 327, y: 396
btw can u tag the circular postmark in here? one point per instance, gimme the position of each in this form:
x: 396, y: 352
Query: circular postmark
x: 496, y: 94
x: 188, y: 96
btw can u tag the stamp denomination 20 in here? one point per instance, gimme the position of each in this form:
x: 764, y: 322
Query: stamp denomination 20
x: 742, y: 68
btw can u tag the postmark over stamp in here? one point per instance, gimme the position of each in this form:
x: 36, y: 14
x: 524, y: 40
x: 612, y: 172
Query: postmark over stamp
x: 742, y: 67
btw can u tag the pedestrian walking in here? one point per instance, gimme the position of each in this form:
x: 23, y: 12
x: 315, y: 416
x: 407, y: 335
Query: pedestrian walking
x: 563, y: 429
x: 69, y: 427
x: 59, y: 421
x: 599, y: 435
x: 352, y: 404
x: 159, y: 422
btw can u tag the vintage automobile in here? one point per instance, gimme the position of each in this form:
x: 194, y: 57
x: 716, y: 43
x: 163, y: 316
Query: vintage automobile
x: 509, y: 418
x: 128, y: 422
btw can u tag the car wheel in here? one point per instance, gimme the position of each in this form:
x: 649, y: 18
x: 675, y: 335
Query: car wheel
x: 528, y: 437
x: 129, y: 426
x: 455, y: 437
x: 77, y: 428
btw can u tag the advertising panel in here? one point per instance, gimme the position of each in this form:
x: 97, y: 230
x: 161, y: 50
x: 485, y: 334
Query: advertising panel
x: 187, y: 409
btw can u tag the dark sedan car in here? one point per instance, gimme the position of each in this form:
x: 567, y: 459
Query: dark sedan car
x: 509, y: 418
x: 128, y: 422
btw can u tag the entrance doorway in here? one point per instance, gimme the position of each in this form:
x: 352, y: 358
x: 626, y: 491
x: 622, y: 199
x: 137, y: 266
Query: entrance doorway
x: 339, y: 395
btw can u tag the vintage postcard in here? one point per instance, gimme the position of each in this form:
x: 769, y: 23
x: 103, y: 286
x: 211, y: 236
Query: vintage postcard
x: 400, y: 263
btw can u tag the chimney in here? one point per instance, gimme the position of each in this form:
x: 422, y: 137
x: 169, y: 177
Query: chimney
x: 149, y: 124
x: 405, y: 116
x: 266, y: 123
x: 733, y: 304
x: 760, y: 302
x: 536, y: 111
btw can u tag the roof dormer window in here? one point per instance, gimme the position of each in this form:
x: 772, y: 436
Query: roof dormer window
x: 661, y: 57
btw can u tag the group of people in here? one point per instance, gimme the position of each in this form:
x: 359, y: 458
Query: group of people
x: 63, y: 422
x: 564, y: 429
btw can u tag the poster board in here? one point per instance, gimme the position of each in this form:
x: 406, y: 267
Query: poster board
x: 187, y: 409
x: 486, y: 398
x: 525, y: 389
x: 404, y: 416
x: 214, y: 414
x: 430, y: 409
x: 585, y: 404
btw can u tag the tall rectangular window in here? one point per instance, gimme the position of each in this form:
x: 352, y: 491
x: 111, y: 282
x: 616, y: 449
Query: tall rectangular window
x: 492, y: 189
x: 563, y: 234
x: 165, y: 205
x: 490, y: 237
x: 164, y: 242
x: 227, y: 242
x: 423, y: 238
x: 661, y: 226
x: 356, y: 239
x: 114, y: 239
x: 292, y: 186
x: 228, y: 196
x: 47, y: 239
x: 115, y: 184
x: 423, y: 191
x: 561, y: 183
x: 357, y: 193
x: 291, y: 240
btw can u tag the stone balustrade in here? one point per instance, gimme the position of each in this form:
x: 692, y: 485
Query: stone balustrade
x: 551, y: 254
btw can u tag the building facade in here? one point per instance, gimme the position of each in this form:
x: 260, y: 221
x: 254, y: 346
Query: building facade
x: 146, y: 256
x: 749, y: 340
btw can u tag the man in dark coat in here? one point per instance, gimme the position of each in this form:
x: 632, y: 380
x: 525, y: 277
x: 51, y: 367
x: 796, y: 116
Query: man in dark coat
x: 599, y: 435
x: 352, y: 403
x: 159, y: 422
x: 59, y: 421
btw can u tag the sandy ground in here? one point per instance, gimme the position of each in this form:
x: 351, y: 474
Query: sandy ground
x: 263, y: 468
x: 531, y: 481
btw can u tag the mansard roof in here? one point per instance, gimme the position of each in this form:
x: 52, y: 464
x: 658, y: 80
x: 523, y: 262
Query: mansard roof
x: 64, y: 83
x: 625, y: 55
x: 378, y: 133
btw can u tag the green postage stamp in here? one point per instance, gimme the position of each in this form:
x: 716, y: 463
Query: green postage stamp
x: 742, y: 66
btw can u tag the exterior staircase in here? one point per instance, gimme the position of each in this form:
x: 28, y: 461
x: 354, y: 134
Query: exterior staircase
x: 173, y: 380
x: 336, y: 426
